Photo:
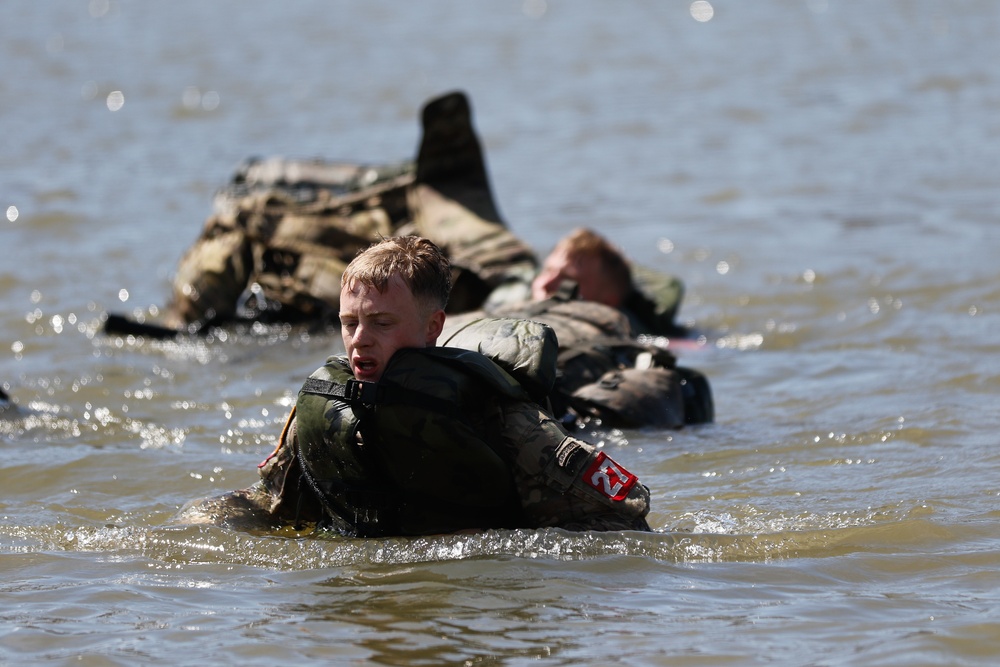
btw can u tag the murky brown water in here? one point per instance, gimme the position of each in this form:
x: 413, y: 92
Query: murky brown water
x: 824, y: 176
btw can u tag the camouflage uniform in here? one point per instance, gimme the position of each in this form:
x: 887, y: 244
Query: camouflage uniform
x: 604, y: 372
x: 650, y: 307
x: 283, y: 231
x: 451, y: 442
x: 268, y: 255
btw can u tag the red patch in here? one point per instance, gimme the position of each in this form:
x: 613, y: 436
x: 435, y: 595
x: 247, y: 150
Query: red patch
x: 609, y: 478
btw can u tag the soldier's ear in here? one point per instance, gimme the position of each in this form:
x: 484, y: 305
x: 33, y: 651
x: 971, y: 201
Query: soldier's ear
x: 435, y: 325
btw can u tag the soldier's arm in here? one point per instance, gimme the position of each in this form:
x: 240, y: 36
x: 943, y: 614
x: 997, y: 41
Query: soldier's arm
x: 280, y: 498
x: 565, y: 482
x: 210, y: 278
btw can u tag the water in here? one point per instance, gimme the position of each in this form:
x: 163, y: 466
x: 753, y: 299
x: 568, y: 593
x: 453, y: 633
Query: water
x: 822, y: 174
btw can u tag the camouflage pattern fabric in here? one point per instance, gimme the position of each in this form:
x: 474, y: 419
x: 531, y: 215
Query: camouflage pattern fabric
x: 307, y: 180
x: 283, y: 231
x: 650, y: 308
x: 603, y: 372
x: 654, y: 302
x: 526, y: 350
x: 211, y: 277
x: 276, y: 257
x: 483, y: 252
x: 565, y: 482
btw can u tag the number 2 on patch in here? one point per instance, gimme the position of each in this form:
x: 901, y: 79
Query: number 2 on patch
x: 609, y: 478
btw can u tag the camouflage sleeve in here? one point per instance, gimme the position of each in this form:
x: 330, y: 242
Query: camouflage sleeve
x: 281, y: 477
x: 261, y: 506
x: 565, y: 482
x: 210, y: 278
x: 278, y: 499
x: 483, y: 252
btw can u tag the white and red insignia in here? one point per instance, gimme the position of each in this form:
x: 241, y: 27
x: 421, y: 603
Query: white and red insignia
x: 609, y: 478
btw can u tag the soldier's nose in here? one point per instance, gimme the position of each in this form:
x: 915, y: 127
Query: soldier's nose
x: 360, y: 338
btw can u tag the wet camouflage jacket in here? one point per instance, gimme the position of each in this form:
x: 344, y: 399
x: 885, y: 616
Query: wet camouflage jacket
x: 603, y: 372
x: 650, y: 307
x: 446, y: 440
x: 267, y: 254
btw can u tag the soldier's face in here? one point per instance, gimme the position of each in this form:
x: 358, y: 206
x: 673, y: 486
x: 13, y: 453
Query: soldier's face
x: 375, y: 324
x: 584, y: 270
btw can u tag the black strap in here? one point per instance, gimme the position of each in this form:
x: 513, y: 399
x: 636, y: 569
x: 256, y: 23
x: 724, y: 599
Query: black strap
x: 353, y: 391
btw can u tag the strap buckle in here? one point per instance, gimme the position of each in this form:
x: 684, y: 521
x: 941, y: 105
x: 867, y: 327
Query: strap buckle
x: 359, y: 391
